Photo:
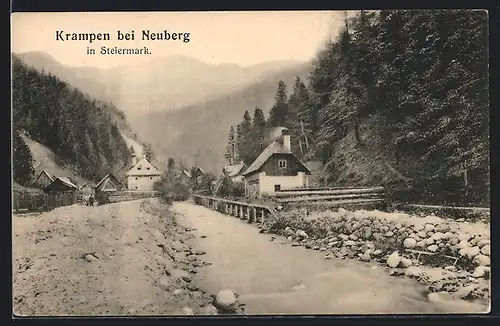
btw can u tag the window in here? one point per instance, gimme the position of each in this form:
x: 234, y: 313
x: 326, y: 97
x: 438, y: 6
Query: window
x: 282, y: 164
x: 150, y: 178
x: 147, y: 168
x: 277, y: 187
x: 139, y: 167
x: 136, y: 178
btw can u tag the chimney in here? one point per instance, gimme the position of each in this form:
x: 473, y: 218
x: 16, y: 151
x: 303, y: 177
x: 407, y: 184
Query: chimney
x: 134, y: 159
x: 286, y: 140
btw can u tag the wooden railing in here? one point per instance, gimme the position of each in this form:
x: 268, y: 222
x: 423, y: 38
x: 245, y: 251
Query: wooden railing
x: 331, y: 196
x: 246, y: 211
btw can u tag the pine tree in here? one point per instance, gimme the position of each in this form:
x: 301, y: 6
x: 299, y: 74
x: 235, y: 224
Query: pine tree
x: 22, y: 160
x: 258, y: 133
x: 231, y: 147
x: 245, y: 150
x: 279, y: 111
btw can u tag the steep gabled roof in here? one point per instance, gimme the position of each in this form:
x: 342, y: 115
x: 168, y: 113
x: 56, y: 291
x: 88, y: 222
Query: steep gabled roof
x: 86, y: 183
x: 275, y: 147
x: 67, y: 182
x: 45, y: 173
x: 186, y: 173
x: 143, y: 168
x: 101, y: 185
x: 234, y: 170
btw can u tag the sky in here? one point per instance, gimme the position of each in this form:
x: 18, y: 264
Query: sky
x: 243, y: 38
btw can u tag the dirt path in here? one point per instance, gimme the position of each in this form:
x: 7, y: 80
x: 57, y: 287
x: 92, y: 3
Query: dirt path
x: 119, y: 259
x: 274, y: 278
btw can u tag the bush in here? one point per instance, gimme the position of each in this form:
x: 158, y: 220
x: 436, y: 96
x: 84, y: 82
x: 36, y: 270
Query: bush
x: 238, y: 189
x: 172, y: 188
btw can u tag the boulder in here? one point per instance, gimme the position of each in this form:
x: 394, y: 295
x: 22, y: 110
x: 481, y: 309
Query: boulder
x: 485, y: 250
x: 353, y: 237
x: 432, y: 248
x: 288, y: 231
x: 462, y: 244
x: 483, y: 242
x: 470, y: 252
x: 413, y: 271
x: 429, y: 241
x: 482, y: 260
x: 409, y: 243
x: 480, y: 271
x: 393, y: 260
x: 405, y: 263
x: 225, y: 299
x: 302, y: 234
x: 464, y: 237
x: 438, y: 236
x: 422, y: 234
x: 429, y: 228
x: 365, y: 257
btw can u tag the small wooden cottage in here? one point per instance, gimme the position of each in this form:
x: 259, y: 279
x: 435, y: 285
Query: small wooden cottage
x: 276, y: 168
x: 109, y: 183
x: 43, y: 180
x: 62, y: 191
x: 87, y: 189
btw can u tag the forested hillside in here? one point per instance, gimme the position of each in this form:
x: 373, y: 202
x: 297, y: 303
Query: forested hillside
x: 81, y: 131
x: 399, y: 98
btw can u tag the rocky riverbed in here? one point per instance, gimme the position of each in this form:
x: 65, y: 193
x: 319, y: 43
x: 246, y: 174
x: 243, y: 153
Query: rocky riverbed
x: 451, y: 257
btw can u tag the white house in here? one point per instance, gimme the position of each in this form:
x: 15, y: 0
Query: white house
x: 276, y: 168
x: 142, y: 175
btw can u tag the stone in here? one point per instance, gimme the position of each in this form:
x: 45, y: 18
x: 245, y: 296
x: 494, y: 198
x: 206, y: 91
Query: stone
x: 429, y: 227
x: 393, y: 260
x: 396, y: 271
x: 462, y: 244
x: 288, y: 231
x: 199, y: 252
x: 377, y: 252
x: 186, y: 278
x: 290, y: 238
x: 432, y: 248
x: 177, y: 291
x: 302, y: 234
x: 329, y: 256
x: 316, y: 248
x: 353, y: 237
x: 342, y: 211
x: 89, y: 257
x: 349, y: 243
x: 308, y: 246
x: 187, y: 311
x: 210, y: 310
x: 483, y: 243
x: 344, y: 237
x: 437, y: 236
x: 464, y: 237
x: 389, y: 234
x: 429, y: 241
x: 470, y: 252
x: 482, y: 260
x: 485, y: 250
x: 365, y: 257
x: 405, y: 263
x: 422, y: 234
x: 225, y: 299
x: 479, y: 271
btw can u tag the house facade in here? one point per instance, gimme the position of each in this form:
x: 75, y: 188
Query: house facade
x: 142, y: 176
x: 235, y: 171
x: 277, y: 168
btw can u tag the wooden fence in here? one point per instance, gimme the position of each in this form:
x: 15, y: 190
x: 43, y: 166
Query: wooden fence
x: 246, y: 211
x: 39, y: 202
x: 107, y: 197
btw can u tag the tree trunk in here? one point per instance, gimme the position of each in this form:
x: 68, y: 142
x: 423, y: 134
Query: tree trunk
x: 356, y: 130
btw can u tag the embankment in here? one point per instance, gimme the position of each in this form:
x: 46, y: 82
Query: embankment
x: 451, y: 257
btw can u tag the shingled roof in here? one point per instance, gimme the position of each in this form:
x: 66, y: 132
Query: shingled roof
x: 234, y: 170
x: 275, y: 147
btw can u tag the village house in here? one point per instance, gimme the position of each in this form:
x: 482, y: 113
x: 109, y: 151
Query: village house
x: 109, y: 183
x: 142, y: 175
x: 43, y: 180
x: 277, y: 168
x: 235, y: 171
x: 87, y: 189
x: 61, y: 184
